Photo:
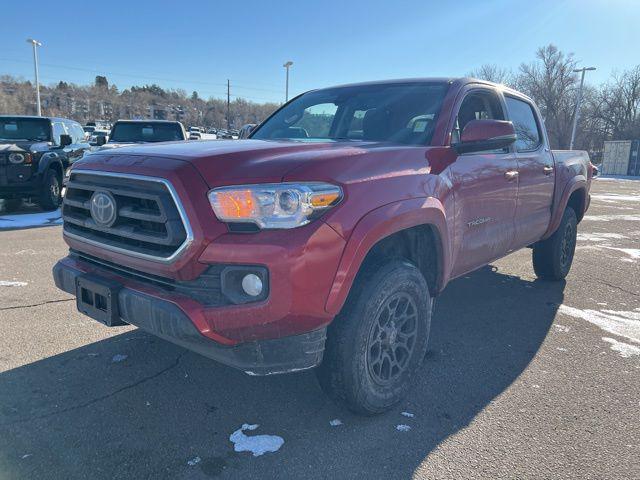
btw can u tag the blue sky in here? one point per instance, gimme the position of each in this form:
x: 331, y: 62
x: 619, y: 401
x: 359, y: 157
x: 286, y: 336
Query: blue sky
x: 198, y: 45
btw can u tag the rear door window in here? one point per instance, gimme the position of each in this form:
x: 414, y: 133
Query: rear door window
x: 524, y: 122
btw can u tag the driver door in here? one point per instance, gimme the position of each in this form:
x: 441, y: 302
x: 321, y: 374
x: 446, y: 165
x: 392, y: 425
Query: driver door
x: 485, y: 188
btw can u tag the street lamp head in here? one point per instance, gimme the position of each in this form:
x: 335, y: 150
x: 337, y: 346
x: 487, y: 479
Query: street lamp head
x: 34, y: 42
x: 288, y: 64
x: 585, y: 69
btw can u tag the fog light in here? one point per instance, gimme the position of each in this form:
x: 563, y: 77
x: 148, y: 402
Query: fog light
x: 252, y: 285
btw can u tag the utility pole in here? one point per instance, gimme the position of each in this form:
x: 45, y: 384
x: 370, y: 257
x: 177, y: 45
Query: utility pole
x: 286, y: 94
x: 576, y: 114
x: 36, y: 44
x: 228, y: 104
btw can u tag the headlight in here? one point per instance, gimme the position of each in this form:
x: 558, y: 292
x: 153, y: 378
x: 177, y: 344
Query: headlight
x: 18, y: 158
x: 274, y: 205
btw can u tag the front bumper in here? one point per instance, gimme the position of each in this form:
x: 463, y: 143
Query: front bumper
x: 166, y: 319
x: 18, y: 189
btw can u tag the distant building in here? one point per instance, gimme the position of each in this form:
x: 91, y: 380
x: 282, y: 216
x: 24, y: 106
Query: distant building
x: 621, y: 157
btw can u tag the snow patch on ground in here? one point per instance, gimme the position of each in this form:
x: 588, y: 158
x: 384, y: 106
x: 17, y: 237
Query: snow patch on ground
x: 119, y: 358
x: 407, y: 414
x: 600, y: 237
x: 612, y: 218
x: 30, y: 220
x: 614, y: 198
x: 621, y: 323
x: 561, y: 328
x: 403, y: 428
x: 256, y: 444
x: 634, y: 253
x: 7, y: 283
x: 194, y: 461
x: 626, y: 350
x: 335, y: 422
x: 615, y: 178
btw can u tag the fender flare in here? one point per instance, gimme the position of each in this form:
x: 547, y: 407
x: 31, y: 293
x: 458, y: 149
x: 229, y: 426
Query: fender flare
x: 576, y: 183
x: 378, y: 224
x: 48, y: 159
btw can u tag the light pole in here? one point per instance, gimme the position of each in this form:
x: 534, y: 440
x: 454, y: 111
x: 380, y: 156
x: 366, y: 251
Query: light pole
x: 576, y: 114
x: 287, y: 66
x: 36, y: 44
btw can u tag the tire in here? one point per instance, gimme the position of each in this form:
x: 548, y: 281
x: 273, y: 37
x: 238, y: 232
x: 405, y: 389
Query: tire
x: 51, y: 192
x: 364, y: 340
x: 552, y: 258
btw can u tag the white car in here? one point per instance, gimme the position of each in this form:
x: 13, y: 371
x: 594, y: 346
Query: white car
x: 93, y: 139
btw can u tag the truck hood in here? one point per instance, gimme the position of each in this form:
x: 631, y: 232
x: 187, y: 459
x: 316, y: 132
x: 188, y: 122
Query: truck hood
x: 222, y: 162
x: 8, y: 146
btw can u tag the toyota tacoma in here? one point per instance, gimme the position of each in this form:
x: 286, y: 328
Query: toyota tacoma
x: 322, y: 239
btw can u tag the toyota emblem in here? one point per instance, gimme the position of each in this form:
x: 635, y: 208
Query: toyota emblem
x: 103, y: 208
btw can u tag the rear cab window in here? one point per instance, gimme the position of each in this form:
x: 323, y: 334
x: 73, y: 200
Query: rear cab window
x: 525, y: 123
x: 146, y: 132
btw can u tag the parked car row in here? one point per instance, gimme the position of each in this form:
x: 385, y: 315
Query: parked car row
x: 35, y: 152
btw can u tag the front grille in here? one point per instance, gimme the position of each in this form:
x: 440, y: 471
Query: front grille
x: 147, y: 224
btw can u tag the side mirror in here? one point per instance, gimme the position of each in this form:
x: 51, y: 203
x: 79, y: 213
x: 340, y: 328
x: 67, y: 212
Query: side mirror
x: 101, y: 140
x: 481, y: 135
x: 65, y: 140
x: 246, y: 130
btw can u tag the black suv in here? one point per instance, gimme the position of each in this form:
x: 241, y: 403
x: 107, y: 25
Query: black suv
x: 127, y: 132
x: 34, y: 155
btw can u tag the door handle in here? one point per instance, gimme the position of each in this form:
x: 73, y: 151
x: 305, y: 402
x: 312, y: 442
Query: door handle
x: 511, y: 174
x: 548, y: 169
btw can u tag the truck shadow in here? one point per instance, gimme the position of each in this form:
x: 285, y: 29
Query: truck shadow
x: 91, y: 413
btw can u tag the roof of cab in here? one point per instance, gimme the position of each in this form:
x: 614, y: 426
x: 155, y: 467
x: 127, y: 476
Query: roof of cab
x: 36, y: 116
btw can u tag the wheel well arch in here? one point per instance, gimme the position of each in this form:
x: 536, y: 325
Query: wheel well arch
x: 577, y: 201
x: 56, y: 167
x: 421, y: 245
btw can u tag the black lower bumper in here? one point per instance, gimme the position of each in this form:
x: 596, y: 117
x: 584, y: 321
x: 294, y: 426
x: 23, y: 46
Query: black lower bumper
x: 166, y: 320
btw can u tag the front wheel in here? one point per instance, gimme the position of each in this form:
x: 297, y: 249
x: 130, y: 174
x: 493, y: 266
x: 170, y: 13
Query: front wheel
x: 51, y: 193
x: 377, y: 343
x: 552, y: 258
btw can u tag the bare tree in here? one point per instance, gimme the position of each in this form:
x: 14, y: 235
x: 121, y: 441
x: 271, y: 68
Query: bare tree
x: 101, y: 101
x: 550, y: 81
x: 492, y: 73
x: 616, y: 106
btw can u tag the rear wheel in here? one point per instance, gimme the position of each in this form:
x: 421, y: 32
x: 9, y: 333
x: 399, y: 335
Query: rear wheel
x: 51, y: 193
x: 377, y: 343
x: 552, y: 258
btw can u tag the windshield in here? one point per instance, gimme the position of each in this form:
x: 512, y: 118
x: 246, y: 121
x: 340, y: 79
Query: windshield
x: 146, y: 132
x: 30, y: 129
x: 399, y: 113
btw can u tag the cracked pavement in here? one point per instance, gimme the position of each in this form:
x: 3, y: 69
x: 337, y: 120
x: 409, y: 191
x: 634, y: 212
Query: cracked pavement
x: 511, y: 387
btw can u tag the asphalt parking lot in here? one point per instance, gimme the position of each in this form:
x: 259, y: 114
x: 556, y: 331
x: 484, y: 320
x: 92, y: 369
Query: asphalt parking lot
x: 523, y: 379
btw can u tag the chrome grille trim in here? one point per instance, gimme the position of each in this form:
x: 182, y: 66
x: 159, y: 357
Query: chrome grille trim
x: 179, y: 206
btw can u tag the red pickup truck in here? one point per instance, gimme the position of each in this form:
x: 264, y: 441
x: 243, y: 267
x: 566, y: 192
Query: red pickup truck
x: 322, y: 240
